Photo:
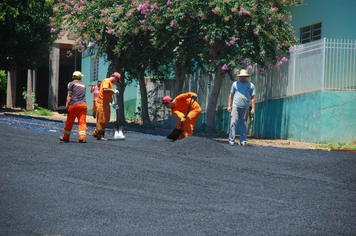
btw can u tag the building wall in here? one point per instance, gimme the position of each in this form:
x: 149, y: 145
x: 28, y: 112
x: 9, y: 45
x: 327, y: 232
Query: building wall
x: 130, y: 91
x: 338, y: 17
x: 320, y: 117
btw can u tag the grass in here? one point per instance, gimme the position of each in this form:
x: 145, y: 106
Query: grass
x: 333, y: 146
x: 39, y: 112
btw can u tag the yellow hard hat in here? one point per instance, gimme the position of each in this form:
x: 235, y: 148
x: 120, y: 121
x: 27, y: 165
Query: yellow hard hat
x: 77, y: 75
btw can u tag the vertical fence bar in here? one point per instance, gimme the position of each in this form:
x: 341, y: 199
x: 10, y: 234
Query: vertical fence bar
x: 343, y: 63
x: 348, y: 77
x: 323, y: 65
x: 294, y: 64
x: 353, y: 67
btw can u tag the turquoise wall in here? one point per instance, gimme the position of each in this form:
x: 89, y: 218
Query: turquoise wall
x: 338, y: 17
x: 320, y: 117
x: 130, y: 91
x: 338, y: 117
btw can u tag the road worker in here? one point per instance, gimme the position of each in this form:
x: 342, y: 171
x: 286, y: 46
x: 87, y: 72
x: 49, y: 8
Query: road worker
x: 103, y: 105
x: 179, y: 107
x: 77, y: 108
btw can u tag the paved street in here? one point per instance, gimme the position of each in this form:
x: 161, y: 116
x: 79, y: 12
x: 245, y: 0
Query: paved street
x: 147, y: 185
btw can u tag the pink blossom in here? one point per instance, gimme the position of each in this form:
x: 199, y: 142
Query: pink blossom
x: 273, y: 9
x: 260, y: 71
x: 262, y: 53
x: 142, y: 21
x: 284, y: 59
x: 90, y: 17
x: 169, y: 2
x: 243, y: 11
x: 55, y: 9
x: 52, y: 30
x: 109, y: 30
x: 224, y: 67
x: 286, y: 23
x: 249, y: 67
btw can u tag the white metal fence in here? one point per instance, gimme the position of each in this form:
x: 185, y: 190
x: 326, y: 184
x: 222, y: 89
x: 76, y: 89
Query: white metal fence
x: 326, y: 64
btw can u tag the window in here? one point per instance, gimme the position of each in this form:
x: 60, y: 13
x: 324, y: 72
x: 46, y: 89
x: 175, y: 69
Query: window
x: 310, y: 33
x: 95, y: 69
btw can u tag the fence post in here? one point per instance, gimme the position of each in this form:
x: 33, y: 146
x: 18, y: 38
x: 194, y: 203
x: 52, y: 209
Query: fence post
x: 323, y: 65
x: 294, y: 63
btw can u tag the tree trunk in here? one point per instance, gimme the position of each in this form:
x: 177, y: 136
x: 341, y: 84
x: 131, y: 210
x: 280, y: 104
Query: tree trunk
x: 213, y: 100
x: 120, y: 114
x: 30, y: 98
x: 11, y: 88
x: 144, y: 99
x: 180, y: 73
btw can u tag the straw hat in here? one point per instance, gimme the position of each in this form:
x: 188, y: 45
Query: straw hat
x: 243, y: 73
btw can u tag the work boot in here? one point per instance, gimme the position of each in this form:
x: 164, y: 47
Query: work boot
x: 63, y: 140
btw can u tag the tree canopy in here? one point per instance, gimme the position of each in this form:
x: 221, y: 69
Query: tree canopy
x: 25, y: 35
x: 223, y: 34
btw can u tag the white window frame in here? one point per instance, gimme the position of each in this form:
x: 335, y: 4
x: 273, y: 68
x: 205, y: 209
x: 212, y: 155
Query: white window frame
x: 310, y: 33
x: 95, y: 69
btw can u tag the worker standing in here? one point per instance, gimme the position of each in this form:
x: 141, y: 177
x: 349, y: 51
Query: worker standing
x: 95, y: 89
x: 103, y: 105
x: 77, y: 108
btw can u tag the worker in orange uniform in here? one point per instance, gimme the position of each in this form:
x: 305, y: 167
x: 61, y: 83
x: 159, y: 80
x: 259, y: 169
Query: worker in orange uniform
x: 103, y: 105
x: 179, y: 106
x: 77, y: 108
x: 95, y: 89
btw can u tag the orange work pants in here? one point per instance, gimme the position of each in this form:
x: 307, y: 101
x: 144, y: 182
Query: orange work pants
x: 102, y: 119
x: 78, y: 111
x: 94, y: 108
x: 189, y: 123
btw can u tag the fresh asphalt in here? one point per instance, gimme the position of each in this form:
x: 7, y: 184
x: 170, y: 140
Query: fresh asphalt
x: 146, y: 185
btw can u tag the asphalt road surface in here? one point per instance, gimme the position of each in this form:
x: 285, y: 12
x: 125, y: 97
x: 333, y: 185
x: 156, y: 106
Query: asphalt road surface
x: 147, y: 185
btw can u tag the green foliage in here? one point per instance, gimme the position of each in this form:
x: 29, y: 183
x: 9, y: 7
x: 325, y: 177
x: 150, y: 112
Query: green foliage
x: 3, y: 81
x: 29, y: 98
x: 161, y: 34
x: 25, y: 33
x: 335, y: 146
x: 39, y: 112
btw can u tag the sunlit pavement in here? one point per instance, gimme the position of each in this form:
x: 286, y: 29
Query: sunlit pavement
x: 147, y: 185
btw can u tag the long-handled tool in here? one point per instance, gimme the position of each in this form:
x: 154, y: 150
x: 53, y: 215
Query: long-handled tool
x: 174, y: 135
x: 118, y: 132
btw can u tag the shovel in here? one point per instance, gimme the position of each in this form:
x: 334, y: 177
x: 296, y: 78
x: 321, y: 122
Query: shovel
x: 174, y: 135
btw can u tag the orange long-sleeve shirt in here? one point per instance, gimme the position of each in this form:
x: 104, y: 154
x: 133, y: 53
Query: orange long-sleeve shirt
x: 182, y: 102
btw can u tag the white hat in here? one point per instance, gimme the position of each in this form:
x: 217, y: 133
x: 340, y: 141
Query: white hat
x: 243, y: 73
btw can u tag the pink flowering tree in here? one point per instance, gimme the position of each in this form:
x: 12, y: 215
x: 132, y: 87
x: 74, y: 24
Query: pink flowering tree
x: 225, y: 35
x: 237, y: 34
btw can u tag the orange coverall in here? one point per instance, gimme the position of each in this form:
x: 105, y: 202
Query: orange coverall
x: 103, y: 109
x: 182, y: 102
x: 77, y: 108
